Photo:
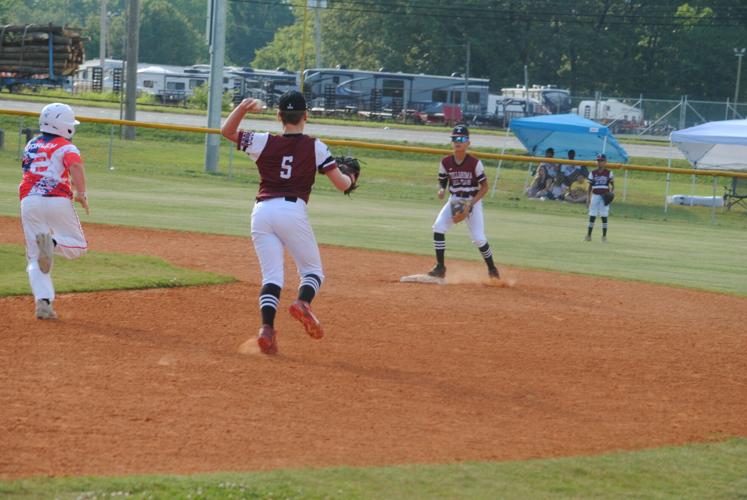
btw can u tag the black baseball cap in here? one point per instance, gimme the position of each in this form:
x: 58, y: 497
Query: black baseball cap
x: 292, y: 100
x: 601, y: 157
x: 460, y: 129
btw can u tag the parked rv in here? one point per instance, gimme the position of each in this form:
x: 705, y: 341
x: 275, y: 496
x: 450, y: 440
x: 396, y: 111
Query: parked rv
x: 378, y: 90
x: 171, y: 83
x: 620, y: 116
x: 502, y: 109
x: 551, y: 99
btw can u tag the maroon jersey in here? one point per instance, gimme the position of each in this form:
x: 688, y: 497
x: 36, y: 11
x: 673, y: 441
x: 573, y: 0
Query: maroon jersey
x: 287, y: 164
x: 464, y: 178
x: 600, y: 180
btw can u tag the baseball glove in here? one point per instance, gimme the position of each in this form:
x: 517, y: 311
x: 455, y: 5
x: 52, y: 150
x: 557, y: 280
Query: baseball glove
x: 608, y: 197
x: 460, y: 209
x: 352, y: 168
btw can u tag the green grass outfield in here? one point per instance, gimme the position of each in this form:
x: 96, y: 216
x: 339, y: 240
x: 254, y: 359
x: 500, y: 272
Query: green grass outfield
x: 161, y: 184
x: 100, y: 271
x: 694, y: 471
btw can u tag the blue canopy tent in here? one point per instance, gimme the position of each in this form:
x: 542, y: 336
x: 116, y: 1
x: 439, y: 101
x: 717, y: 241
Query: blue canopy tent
x: 565, y: 132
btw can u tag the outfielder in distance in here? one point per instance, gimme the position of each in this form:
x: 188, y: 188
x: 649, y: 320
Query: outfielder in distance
x: 287, y: 165
x: 601, y: 193
x: 50, y: 223
x: 464, y: 175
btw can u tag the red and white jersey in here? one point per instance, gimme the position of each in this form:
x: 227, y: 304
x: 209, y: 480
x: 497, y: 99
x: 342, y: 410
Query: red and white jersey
x: 287, y: 163
x: 464, y: 178
x: 46, y: 166
x: 600, y: 180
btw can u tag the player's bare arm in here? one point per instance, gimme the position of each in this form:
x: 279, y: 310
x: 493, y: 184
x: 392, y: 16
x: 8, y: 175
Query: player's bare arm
x: 78, y: 175
x: 230, y: 128
x: 341, y: 181
x: 481, y: 193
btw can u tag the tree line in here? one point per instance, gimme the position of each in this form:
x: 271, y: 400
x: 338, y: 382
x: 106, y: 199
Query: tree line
x: 658, y: 48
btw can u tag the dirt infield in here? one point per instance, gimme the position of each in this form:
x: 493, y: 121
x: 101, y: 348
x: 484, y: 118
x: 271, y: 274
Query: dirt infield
x: 152, y: 381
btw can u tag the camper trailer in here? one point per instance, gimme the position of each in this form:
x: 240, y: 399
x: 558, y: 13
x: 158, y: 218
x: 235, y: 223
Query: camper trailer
x: 551, y: 100
x: 502, y: 109
x: 620, y: 116
x: 377, y: 90
x: 609, y: 109
x: 171, y: 83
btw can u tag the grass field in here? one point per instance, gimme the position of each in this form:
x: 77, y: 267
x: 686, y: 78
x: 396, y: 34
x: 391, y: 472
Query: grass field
x: 100, y: 271
x: 162, y: 185
x: 695, y: 471
x: 158, y: 182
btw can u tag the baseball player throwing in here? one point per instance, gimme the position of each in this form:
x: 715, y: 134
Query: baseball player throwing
x: 601, y: 181
x: 464, y: 175
x: 287, y: 165
x: 52, y: 169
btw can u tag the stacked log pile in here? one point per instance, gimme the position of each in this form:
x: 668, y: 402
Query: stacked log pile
x: 25, y: 50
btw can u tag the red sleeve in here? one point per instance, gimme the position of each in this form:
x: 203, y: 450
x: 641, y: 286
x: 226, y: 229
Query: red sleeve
x: 71, y: 158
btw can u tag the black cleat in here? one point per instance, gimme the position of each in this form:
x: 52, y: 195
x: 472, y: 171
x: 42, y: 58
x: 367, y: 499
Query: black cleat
x: 438, y: 271
x: 493, y: 273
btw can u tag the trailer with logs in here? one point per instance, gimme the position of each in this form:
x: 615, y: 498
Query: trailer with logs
x: 38, y: 55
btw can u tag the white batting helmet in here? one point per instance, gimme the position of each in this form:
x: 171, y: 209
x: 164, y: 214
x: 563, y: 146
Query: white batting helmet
x: 58, y: 119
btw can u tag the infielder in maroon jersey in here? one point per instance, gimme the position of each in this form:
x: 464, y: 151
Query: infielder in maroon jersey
x: 287, y: 165
x: 601, y: 180
x: 52, y: 169
x: 464, y: 175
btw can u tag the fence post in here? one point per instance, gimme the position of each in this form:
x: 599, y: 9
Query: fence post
x: 713, y: 207
x: 231, y: 147
x: 20, y: 133
x: 692, y: 189
x: 625, y: 185
x: 683, y: 112
x: 529, y: 173
x: 111, y: 145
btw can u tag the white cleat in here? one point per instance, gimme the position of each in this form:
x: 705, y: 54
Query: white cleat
x: 44, y: 310
x: 46, y: 251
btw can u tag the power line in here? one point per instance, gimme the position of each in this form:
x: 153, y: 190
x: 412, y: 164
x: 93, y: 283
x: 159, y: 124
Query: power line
x: 489, y: 12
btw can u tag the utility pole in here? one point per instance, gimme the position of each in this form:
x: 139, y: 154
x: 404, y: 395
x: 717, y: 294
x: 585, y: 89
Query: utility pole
x: 740, y: 54
x: 318, y: 5
x: 466, y: 81
x: 103, y: 29
x: 217, y: 39
x: 133, y: 27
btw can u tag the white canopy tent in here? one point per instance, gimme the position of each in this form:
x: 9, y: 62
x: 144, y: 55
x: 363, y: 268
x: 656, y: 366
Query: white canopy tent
x: 718, y: 145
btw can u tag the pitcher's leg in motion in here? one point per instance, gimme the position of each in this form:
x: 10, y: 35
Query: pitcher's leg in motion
x: 300, y: 309
x: 299, y: 238
x: 269, y: 251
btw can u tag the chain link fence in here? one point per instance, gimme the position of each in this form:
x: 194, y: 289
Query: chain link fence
x: 653, y: 117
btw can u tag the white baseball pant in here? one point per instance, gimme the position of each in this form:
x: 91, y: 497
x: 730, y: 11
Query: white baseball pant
x: 56, y: 215
x: 597, y: 206
x: 278, y: 223
x: 475, y: 222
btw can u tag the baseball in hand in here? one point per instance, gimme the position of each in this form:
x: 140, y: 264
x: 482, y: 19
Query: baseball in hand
x: 259, y: 105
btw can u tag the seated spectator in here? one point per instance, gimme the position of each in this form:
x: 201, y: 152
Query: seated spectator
x: 556, y: 189
x: 570, y: 172
x: 543, y: 178
x: 577, y: 191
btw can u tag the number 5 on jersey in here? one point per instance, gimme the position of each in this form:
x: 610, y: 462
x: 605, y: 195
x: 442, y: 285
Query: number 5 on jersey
x: 286, y: 167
